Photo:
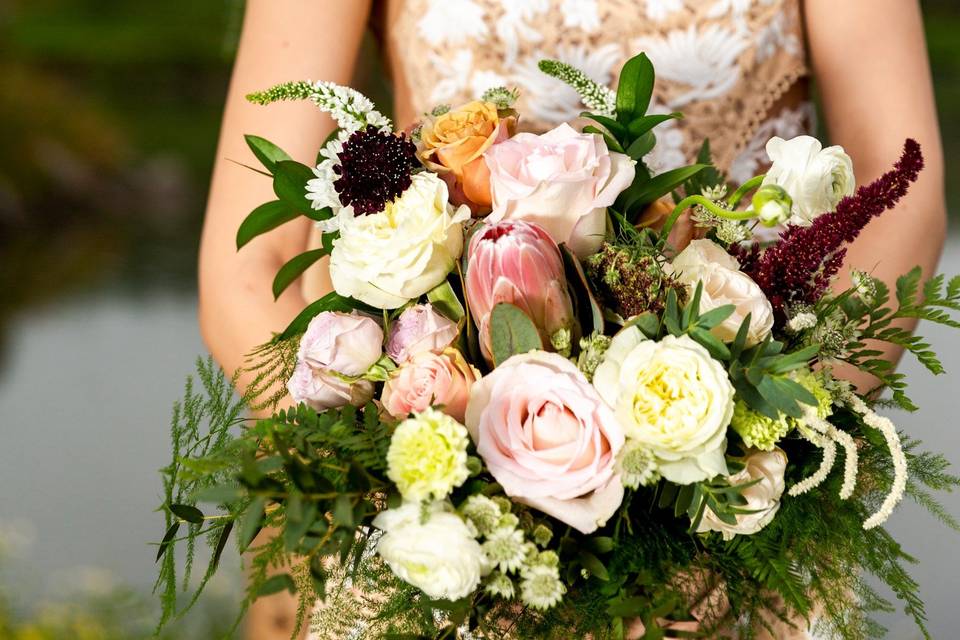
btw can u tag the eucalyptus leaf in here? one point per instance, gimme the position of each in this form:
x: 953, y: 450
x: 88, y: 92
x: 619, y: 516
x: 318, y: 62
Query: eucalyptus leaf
x: 511, y: 332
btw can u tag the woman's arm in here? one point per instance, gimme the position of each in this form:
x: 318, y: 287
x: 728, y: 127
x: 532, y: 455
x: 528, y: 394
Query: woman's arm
x: 870, y: 63
x: 282, y: 40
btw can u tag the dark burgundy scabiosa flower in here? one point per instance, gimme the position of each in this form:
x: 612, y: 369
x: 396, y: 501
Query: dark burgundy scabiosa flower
x: 374, y: 169
x: 799, y: 267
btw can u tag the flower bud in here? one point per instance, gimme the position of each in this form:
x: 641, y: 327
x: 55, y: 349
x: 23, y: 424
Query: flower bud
x: 772, y: 204
x: 517, y: 262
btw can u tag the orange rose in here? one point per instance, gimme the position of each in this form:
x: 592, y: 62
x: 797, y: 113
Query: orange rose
x: 452, y: 144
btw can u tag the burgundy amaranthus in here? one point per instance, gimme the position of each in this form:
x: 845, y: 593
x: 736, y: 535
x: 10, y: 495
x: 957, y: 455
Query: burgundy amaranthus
x: 799, y: 267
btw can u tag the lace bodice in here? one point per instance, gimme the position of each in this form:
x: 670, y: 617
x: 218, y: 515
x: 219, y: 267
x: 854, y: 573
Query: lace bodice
x: 723, y: 63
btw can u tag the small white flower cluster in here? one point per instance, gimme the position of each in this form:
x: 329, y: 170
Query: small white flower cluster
x: 829, y: 457
x: 801, y: 321
x: 592, y: 349
x: 507, y: 549
x: 351, y: 109
x: 596, y: 97
x: 728, y: 231
x: 637, y: 466
x: 889, y: 431
x: 320, y: 190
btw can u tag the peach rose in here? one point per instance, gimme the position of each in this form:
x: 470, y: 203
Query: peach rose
x: 430, y: 379
x: 548, y: 438
x: 453, y: 144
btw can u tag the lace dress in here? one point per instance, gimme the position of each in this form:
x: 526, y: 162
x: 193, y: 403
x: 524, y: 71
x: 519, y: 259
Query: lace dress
x: 735, y: 68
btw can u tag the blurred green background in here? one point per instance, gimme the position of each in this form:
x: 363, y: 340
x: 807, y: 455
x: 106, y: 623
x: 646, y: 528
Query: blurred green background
x: 109, y: 113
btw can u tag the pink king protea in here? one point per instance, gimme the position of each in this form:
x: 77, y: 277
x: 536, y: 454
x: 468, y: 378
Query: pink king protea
x: 517, y: 262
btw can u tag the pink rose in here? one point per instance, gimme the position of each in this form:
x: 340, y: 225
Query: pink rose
x: 562, y: 180
x: 335, y: 347
x: 347, y: 343
x: 321, y: 390
x: 548, y: 438
x: 430, y: 379
x: 517, y: 262
x: 419, y: 328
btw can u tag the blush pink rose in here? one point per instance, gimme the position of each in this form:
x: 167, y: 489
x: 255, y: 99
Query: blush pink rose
x: 347, y: 343
x: 430, y: 379
x: 517, y: 262
x: 418, y: 329
x: 548, y: 438
x: 321, y: 390
x: 563, y: 180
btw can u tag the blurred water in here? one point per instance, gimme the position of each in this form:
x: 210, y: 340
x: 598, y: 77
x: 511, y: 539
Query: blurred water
x: 85, y: 399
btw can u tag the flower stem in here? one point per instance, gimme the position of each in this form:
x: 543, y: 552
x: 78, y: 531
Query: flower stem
x: 707, y: 204
x: 744, y: 189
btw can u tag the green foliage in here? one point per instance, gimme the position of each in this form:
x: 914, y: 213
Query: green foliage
x: 295, y: 267
x: 511, y: 332
x: 266, y: 217
x: 867, y: 309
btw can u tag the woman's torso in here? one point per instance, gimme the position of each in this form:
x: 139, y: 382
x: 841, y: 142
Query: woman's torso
x: 737, y: 69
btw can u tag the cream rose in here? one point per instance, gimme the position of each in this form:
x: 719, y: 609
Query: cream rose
x: 671, y: 397
x: 723, y: 283
x: 816, y: 178
x: 548, y: 438
x: 434, y: 552
x: 562, y: 180
x: 767, y: 468
x: 388, y: 258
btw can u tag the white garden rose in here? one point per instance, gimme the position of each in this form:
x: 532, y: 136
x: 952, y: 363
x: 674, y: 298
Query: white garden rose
x: 766, y: 467
x: 723, y: 283
x: 387, y: 258
x: 431, y: 548
x: 816, y: 178
x: 671, y: 397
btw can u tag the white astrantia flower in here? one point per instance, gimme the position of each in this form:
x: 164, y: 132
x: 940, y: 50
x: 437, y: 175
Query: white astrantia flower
x: 500, y: 585
x: 452, y: 21
x: 766, y: 469
x: 704, y: 57
x: 387, y: 258
x: 540, y: 587
x: 432, y: 549
x: 672, y: 397
x: 505, y: 548
x: 816, y: 178
x: 483, y: 512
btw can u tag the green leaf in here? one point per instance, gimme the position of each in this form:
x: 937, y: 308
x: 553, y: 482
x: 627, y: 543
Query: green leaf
x: 660, y: 185
x: 290, y: 184
x: 221, y: 543
x: 648, y: 323
x: 266, y: 152
x: 511, y: 332
x: 614, y: 127
x: 642, y: 145
x: 635, y: 88
x: 266, y: 217
x: 219, y: 494
x: 715, y: 316
x: 343, y: 511
x: 252, y: 522
x: 188, y: 513
x: 167, y: 539
x: 319, y: 215
x: 276, y: 584
x: 610, y: 141
x: 711, y: 343
x: 293, y: 269
x: 640, y: 126
x: 330, y: 302
x: 592, y: 564
x: 445, y: 300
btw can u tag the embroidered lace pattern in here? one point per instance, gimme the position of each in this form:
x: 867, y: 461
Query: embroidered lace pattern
x: 724, y: 63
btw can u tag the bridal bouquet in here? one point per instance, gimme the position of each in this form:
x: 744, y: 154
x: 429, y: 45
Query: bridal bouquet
x: 555, y: 396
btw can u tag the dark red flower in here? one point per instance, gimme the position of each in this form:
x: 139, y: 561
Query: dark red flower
x: 374, y: 169
x: 799, y: 267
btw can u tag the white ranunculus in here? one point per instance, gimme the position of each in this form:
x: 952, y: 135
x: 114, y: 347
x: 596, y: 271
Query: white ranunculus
x: 723, y: 283
x: 431, y: 548
x: 387, y: 258
x: 671, y: 397
x: 816, y: 178
x: 763, y: 498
